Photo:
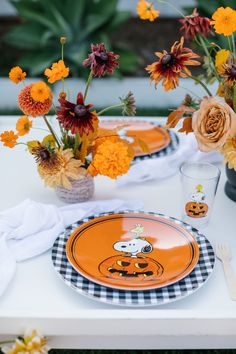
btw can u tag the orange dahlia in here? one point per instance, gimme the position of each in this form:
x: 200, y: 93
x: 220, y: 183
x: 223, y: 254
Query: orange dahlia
x: 9, y: 138
x: 172, y: 65
x: 32, y: 107
x: 111, y: 159
x: 23, y: 125
x: 17, y: 75
x: 224, y: 21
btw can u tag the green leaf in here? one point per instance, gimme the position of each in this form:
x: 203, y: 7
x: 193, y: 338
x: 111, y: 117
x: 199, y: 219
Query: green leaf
x: 25, y: 36
x: 128, y: 61
x: 118, y: 20
x: 37, y: 62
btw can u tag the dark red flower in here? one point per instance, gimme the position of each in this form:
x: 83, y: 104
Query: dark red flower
x: 100, y: 61
x: 77, y: 117
x: 194, y: 24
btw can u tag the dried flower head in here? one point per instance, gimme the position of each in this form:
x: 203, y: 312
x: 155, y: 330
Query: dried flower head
x: 194, y: 24
x: 57, y: 72
x: 172, y: 65
x: 31, y: 343
x: 9, y: 138
x: 224, y: 21
x: 17, y: 75
x: 23, y: 125
x: 228, y: 71
x: 229, y: 153
x: 100, y: 61
x: 146, y: 10
x: 129, y: 107
x: 31, y: 107
x: 63, y: 40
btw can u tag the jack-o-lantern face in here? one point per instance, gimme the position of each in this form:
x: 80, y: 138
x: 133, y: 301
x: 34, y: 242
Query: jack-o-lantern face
x: 196, y: 210
x: 131, y: 268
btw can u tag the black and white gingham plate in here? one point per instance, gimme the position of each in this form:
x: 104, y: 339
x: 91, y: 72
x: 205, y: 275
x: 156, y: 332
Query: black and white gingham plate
x: 159, y: 296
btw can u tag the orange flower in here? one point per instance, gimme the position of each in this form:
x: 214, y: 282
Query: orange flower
x: 9, y: 138
x: 23, y: 125
x: 57, y: 72
x: 171, y: 65
x: 17, y: 75
x: 40, y: 91
x: 31, y: 107
x: 111, y: 159
x: 146, y: 11
x: 224, y: 21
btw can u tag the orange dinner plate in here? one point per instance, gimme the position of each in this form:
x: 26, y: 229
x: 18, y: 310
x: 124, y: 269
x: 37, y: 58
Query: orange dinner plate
x: 154, y: 137
x: 133, y: 251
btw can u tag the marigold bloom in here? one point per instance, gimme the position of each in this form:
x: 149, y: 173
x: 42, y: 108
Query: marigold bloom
x: 57, y: 72
x: 100, y: 61
x: 172, y: 65
x: 194, y: 24
x: 224, y: 21
x: 146, y: 11
x: 221, y: 57
x: 31, y: 343
x: 23, y: 125
x: 40, y: 91
x: 111, y: 159
x: 228, y: 71
x: 9, y: 138
x: 229, y: 153
x: 29, y: 106
x: 77, y: 117
x: 17, y: 75
x: 57, y: 168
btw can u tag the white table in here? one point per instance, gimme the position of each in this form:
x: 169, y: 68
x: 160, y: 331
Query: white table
x: 37, y: 298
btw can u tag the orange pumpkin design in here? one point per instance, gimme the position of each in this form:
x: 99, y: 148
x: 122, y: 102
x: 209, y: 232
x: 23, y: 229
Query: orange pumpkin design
x: 196, y: 210
x: 131, y: 268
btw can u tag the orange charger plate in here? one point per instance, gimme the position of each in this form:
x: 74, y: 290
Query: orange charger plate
x: 132, y: 251
x: 155, y: 138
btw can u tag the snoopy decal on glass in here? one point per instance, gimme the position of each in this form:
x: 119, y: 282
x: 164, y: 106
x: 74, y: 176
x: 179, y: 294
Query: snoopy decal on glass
x: 197, y: 207
x: 132, y: 262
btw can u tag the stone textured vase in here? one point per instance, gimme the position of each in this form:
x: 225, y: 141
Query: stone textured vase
x: 230, y: 185
x: 82, y: 190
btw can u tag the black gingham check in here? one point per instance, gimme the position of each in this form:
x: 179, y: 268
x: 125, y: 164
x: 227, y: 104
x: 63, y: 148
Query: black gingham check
x: 160, y: 296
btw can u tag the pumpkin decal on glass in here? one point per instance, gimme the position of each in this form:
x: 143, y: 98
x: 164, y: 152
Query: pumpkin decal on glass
x: 131, y: 264
x: 197, y: 208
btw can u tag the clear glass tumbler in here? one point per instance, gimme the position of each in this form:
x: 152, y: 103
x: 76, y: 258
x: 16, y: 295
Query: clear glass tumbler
x: 199, y: 184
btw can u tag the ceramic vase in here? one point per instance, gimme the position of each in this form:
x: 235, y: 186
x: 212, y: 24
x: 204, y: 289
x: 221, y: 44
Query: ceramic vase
x: 230, y: 185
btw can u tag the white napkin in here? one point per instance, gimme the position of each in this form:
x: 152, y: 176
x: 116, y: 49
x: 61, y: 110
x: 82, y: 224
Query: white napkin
x: 166, y: 166
x: 31, y: 228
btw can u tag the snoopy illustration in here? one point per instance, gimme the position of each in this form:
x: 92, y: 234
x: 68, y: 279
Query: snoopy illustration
x: 199, y: 196
x: 135, y: 245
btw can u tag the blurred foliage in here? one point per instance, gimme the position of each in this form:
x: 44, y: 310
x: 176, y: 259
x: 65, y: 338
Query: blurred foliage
x: 83, y: 22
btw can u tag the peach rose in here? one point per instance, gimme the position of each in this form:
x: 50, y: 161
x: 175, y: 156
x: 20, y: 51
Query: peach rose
x: 213, y: 124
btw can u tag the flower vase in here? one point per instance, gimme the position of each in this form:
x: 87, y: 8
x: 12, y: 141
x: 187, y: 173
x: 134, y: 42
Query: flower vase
x: 81, y: 191
x: 230, y: 185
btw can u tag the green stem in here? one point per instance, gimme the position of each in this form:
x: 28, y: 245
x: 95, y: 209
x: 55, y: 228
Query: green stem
x: 230, y: 48
x: 7, y: 342
x: 45, y: 130
x: 109, y: 108
x: 172, y: 6
x: 203, y: 44
x: 62, y: 57
x: 233, y: 42
x: 51, y: 130
x: 88, y: 84
x: 201, y: 83
x: 234, y: 99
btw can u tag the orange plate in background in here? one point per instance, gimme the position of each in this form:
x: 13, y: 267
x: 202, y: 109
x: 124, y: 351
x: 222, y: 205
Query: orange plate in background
x: 155, y: 138
x: 132, y: 251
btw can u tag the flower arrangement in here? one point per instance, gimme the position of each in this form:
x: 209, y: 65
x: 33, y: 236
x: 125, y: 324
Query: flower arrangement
x: 212, y: 119
x: 77, y: 147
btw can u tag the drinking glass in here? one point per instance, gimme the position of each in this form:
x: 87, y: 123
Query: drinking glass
x: 199, y: 184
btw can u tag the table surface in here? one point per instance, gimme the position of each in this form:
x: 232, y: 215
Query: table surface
x: 37, y: 298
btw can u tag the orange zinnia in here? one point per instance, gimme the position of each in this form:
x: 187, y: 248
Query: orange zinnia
x: 57, y: 72
x: 23, y: 125
x: 224, y: 21
x: 9, y: 138
x: 172, y: 65
x: 146, y: 11
x: 17, y: 75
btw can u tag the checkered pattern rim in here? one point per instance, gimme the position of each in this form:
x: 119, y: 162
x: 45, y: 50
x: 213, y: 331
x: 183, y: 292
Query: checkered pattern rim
x: 160, y: 296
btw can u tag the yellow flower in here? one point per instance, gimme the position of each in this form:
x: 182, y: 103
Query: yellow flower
x: 49, y: 141
x: 40, y: 91
x: 221, y: 58
x: 111, y: 159
x: 146, y: 11
x: 229, y: 153
x: 23, y: 125
x: 221, y: 90
x: 224, y: 21
x: 57, y: 72
x: 9, y: 138
x: 17, y: 75
x: 31, y: 343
